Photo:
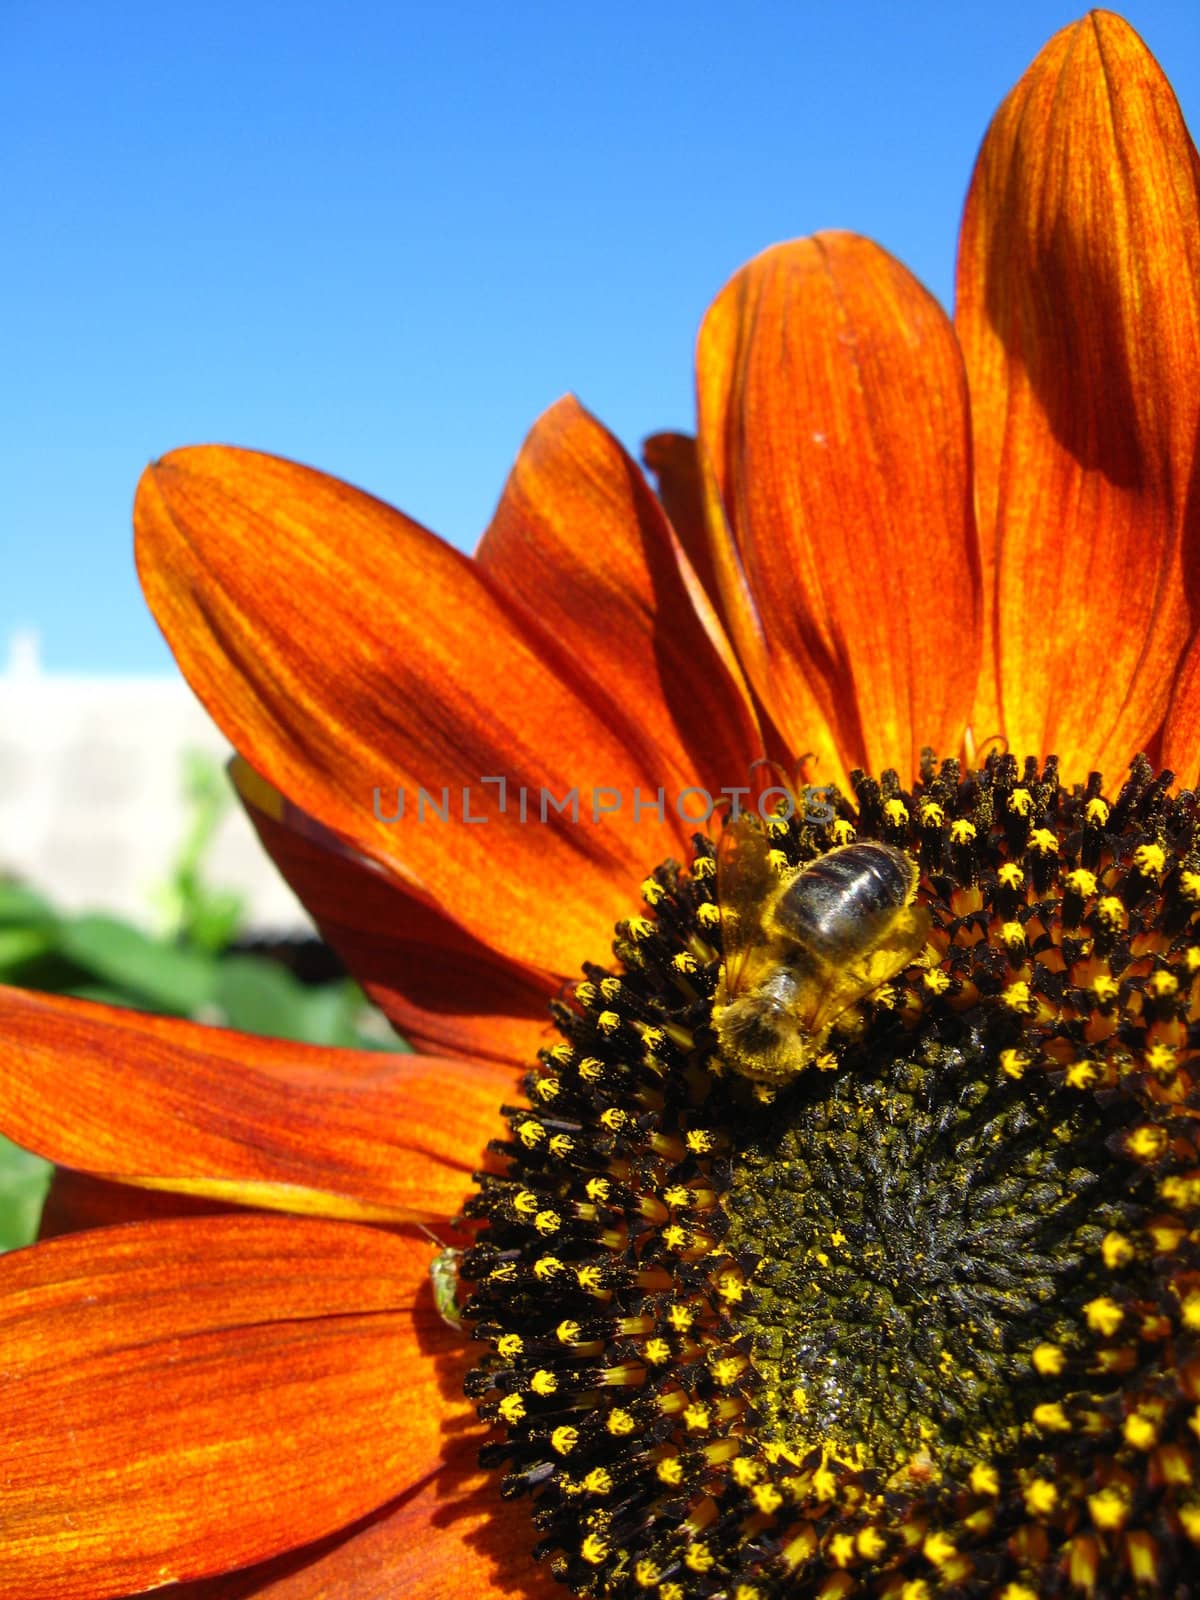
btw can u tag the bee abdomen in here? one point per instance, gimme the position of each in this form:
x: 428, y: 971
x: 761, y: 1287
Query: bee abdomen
x: 846, y: 898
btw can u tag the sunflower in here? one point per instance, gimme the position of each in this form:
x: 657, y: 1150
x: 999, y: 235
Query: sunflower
x: 842, y: 1234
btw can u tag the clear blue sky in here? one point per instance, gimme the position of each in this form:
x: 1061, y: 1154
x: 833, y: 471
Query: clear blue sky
x: 381, y: 238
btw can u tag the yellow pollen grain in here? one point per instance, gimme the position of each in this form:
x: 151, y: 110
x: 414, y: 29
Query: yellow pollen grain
x: 1081, y: 882
x: 936, y: 981
x: 1110, y: 911
x: 547, y: 1089
x: 896, y: 812
x: 1150, y: 860
x: 568, y: 1332
x: 1041, y: 1497
x: 915, y: 1589
x: 1166, y: 1235
x: 598, y: 1481
x: 767, y: 1498
x: 675, y: 1237
x: 620, y: 1422
x: 547, y: 1222
x: 777, y: 861
x: 1141, y: 1431
x: 511, y: 1408
x: 1109, y: 1508
x: 726, y: 1370
x: 699, y: 1141
x: 657, y: 1352
x: 672, y: 1591
x: 547, y: 1267
x: 561, y: 1145
x: 745, y: 1472
x: 1019, y: 997
x: 1162, y: 983
x: 647, y: 1574
x: 525, y: 1202
x: 1048, y: 1359
x: 1011, y: 876
x: 1020, y: 802
x: 1160, y: 1059
x: 870, y: 1543
x: 594, y: 1549
x: 1189, y: 887
x: 608, y: 1022
x: 1043, y: 842
x: 680, y: 1317
x: 840, y: 1549
x: 843, y: 832
x: 939, y: 1548
x: 1104, y: 1316
x: 1117, y: 1250
x: 685, y: 962
x: 1051, y: 1418
x: 930, y: 814
x: 1013, y: 1062
x: 962, y: 831
x: 1147, y: 1143
x: 1189, y: 1517
x: 590, y: 1069
x: 1018, y: 1591
x: 543, y: 1383
x: 652, y: 891
x: 670, y: 1470
x: 588, y: 1278
x: 614, y: 1118
x: 509, y: 1345
x: 1097, y: 812
x: 708, y: 915
x: 1012, y: 934
x: 985, y: 1479
x: 824, y: 1484
x: 1190, y: 1310
x: 530, y: 1133
x: 563, y: 1440
x: 699, y: 1558
x: 696, y: 1417
x: 1081, y: 1074
x: 1105, y: 988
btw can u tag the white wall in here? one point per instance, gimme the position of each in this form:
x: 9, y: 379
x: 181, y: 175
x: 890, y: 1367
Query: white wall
x: 91, y: 806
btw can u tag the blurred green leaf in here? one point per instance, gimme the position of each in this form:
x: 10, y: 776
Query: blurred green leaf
x: 19, y: 945
x: 19, y: 904
x: 23, y: 1182
x: 178, y: 980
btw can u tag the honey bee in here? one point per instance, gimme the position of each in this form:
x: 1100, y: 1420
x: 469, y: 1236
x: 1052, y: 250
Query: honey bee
x: 803, y: 946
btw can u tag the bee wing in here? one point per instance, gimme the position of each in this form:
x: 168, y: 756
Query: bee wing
x: 846, y: 985
x: 745, y: 880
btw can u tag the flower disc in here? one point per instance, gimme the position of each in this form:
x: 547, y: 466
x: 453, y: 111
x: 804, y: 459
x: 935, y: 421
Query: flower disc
x: 924, y: 1318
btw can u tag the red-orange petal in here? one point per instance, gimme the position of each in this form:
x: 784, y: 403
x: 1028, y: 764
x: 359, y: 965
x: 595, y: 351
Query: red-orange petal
x: 347, y: 653
x: 582, y: 551
x: 1079, y: 315
x: 239, y: 1118
x: 444, y: 990
x: 833, y: 410
x: 1181, y: 736
x: 450, y: 1537
x: 674, y: 460
x: 181, y: 1398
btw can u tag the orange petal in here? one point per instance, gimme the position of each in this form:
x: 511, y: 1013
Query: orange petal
x: 1181, y: 736
x: 1079, y: 315
x: 443, y: 990
x: 234, y: 1117
x: 347, y: 653
x: 674, y: 460
x: 448, y: 1538
x: 185, y: 1397
x: 833, y: 411
x: 581, y: 550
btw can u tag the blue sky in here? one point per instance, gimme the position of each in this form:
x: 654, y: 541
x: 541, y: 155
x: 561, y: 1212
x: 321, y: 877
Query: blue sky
x: 382, y: 238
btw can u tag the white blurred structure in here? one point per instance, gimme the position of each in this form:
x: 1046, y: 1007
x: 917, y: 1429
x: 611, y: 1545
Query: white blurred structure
x: 92, y: 810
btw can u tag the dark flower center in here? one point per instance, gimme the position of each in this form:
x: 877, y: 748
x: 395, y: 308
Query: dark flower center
x: 924, y: 1314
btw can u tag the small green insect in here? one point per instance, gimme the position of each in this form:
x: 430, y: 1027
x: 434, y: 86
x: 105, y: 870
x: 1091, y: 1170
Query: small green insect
x: 443, y: 1275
